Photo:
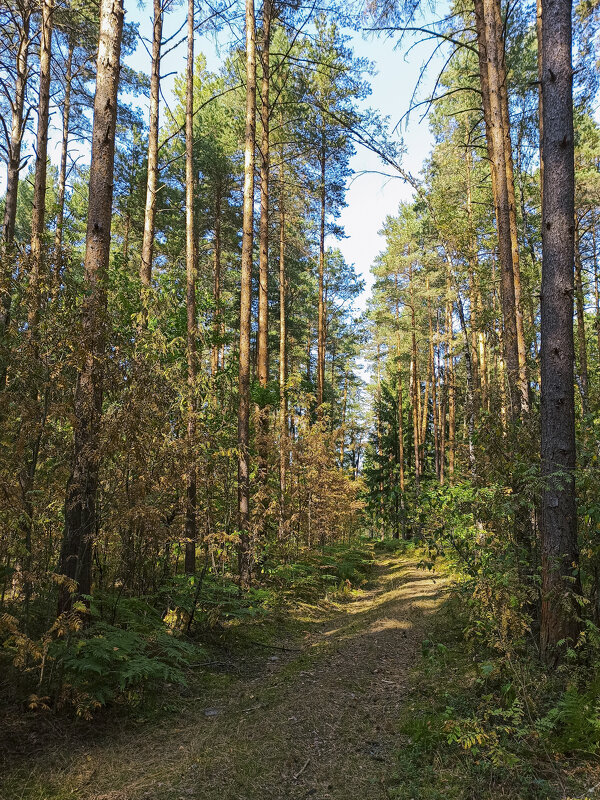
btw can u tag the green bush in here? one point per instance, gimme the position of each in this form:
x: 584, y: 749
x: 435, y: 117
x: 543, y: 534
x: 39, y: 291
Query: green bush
x: 110, y: 663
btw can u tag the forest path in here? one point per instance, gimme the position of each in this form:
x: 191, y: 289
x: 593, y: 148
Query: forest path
x: 320, y: 722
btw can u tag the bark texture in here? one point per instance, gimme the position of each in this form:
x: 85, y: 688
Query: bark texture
x: 244, y: 551
x: 190, y: 269
x: 560, y: 557
x: 13, y: 167
x: 80, y: 503
x: 152, y: 179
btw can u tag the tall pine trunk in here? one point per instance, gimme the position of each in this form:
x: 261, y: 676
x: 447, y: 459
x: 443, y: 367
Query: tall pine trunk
x: 217, y: 319
x: 17, y: 129
x: 152, y: 177
x: 244, y: 551
x: 283, y: 410
x: 190, y: 269
x: 490, y: 66
x: 64, y: 153
x: 560, y: 555
x: 38, y: 212
x: 263, y: 264
x: 80, y: 503
x: 582, y: 359
x: 321, y: 309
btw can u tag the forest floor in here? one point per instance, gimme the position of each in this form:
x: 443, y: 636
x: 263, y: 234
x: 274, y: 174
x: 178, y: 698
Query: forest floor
x: 322, y: 711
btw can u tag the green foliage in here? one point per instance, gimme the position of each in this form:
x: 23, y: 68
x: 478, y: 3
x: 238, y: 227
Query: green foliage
x: 573, y: 724
x: 331, y: 568
x: 111, y: 664
x: 395, y: 546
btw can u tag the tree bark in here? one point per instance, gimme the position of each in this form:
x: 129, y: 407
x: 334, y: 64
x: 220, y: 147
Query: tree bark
x: 14, y: 165
x: 152, y: 177
x: 560, y: 555
x: 263, y: 263
x: 62, y: 173
x: 217, y: 320
x: 450, y: 381
x: 415, y: 385
x: 596, y: 283
x: 490, y: 77
x: 400, y: 399
x: 321, y: 311
x: 191, y: 531
x: 522, y: 379
x: 283, y: 410
x: 583, y: 381
x: 244, y: 552
x: 38, y: 213
x: 80, y: 503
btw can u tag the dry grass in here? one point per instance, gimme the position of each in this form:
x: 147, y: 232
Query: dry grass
x: 318, y: 723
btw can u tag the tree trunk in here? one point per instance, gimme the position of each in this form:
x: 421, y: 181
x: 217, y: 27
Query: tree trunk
x: 522, y: 380
x: 581, y: 338
x: 415, y: 387
x: 62, y: 173
x: 80, y: 503
x: 17, y: 129
x: 596, y: 283
x: 283, y: 411
x: 217, y: 321
x: 244, y: 552
x: 400, y: 400
x: 191, y: 532
x: 560, y: 555
x: 321, y: 320
x: 152, y: 178
x: 263, y: 263
x: 490, y: 75
x: 38, y: 212
x: 262, y: 339
x: 450, y: 382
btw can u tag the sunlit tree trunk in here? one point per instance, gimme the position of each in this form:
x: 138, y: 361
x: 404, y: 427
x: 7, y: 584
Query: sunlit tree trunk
x: 522, y: 380
x: 62, y: 172
x: 400, y: 399
x: 80, y: 502
x: 262, y: 339
x: 217, y: 320
x: 38, y: 211
x: 283, y: 410
x: 415, y: 386
x: 263, y: 263
x: 17, y: 129
x: 152, y: 177
x: 596, y: 282
x: 581, y: 338
x: 191, y: 531
x: 343, y: 426
x: 321, y: 311
x: 443, y: 406
x: 490, y: 79
x: 450, y: 381
x: 246, y: 304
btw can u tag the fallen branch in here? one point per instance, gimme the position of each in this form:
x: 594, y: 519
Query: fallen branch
x: 304, y: 766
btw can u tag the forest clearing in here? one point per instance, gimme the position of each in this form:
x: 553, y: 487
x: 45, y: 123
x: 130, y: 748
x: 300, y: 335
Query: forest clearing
x: 299, y: 400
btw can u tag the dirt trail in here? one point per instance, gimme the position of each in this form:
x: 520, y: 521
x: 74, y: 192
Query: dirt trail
x: 319, y: 723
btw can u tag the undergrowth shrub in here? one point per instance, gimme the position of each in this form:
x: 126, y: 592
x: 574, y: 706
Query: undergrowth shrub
x: 395, y: 546
x: 121, y: 649
x: 333, y: 568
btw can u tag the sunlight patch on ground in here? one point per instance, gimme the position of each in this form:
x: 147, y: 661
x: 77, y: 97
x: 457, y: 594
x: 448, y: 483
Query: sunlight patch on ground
x: 386, y: 624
